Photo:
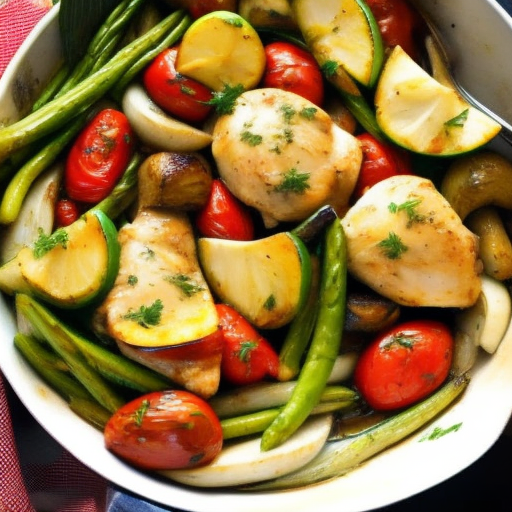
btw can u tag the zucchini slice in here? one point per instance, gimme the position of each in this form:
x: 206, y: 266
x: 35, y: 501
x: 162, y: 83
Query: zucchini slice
x: 266, y: 280
x: 71, y: 268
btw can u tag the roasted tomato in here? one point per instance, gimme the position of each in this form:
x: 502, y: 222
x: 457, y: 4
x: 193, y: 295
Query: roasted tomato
x: 293, y: 69
x: 380, y: 161
x: 176, y: 94
x: 165, y: 430
x: 98, y: 157
x: 247, y: 356
x: 399, y: 23
x: 224, y: 216
x: 404, y: 364
x: 66, y: 212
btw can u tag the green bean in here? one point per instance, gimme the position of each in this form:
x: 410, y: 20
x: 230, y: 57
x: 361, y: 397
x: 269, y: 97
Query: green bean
x: 299, y: 332
x: 339, y: 457
x: 58, y: 337
x: 90, y: 411
x: 19, y: 186
x: 50, y: 367
x: 57, y: 112
x: 139, y: 65
x: 258, y: 421
x: 325, y: 343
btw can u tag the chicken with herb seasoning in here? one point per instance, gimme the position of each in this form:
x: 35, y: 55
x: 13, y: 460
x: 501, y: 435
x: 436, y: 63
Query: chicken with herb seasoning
x: 282, y: 155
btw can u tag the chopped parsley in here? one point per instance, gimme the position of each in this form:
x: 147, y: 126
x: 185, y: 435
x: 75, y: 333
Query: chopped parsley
x: 139, y: 414
x: 187, y: 90
x: 246, y: 347
x: 185, y: 284
x: 45, y: 243
x: 438, y: 432
x: 132, y: 280
x: 392, y: 246
x: 288, y: 112
x: 294, y: 181
x: 401, y: 339
x: 409, y: 207
x: 308, y: 113
x: 146, y: 316
x: 458, y: 121
x: 224, y: 101
x: 250, y: 138
x: 329, y: 68
x: 270, y: 303
x: 235, y: 22
x: 148, y: 253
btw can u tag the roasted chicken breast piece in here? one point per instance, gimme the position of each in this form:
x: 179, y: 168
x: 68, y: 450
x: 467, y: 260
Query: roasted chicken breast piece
x: 406, y: 242
x: 284, y: 156
x: 160, y: 310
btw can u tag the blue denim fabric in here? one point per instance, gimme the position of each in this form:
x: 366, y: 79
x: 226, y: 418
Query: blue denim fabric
x: 120, y: 501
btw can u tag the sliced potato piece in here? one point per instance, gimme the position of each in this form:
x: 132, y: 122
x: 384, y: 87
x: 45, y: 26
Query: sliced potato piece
x: 265, y: 279
x: 423, y: 115
x: 244, y: 462
x: 222, y: 48
x: 156, y: 128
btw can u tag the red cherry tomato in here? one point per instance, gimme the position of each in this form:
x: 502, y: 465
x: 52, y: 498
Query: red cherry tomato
x: 66, y: 212
x: 399, y: 23
x: 293, y: 69
x: 405, y: 364
x: 247, y: 357
x: 380, y: 161
x: 165, y: 430
x: 176, y: 94
x: 224, y: 216
x: 98, y: 157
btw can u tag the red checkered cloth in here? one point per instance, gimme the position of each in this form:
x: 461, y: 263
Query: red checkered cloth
x: 61, y: 483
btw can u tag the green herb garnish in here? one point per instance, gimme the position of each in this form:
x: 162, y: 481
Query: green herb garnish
x: 246, y: 347
x: 270, y: 303
x: 139, y: 414
x: 224, y: 101
x: 288, y: 112
x: 294, y: 181
x: 45, y: 243
x: 132, y: 280
x: 409, y: 207
x: 146, y: 316
x: 392, y: 246
x: 308, y: 113
x: 458, y: 121
x: 185, y: 284
x: 329, y: 68
x: 438, y: 432
x: 250, y: 138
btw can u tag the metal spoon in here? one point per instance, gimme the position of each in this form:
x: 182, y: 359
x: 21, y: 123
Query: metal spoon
x: 440, y: 58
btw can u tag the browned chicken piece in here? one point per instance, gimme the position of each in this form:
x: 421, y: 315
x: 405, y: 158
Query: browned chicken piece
x: 160, y: 310
x: 282, y: 155
x: 406, y: 242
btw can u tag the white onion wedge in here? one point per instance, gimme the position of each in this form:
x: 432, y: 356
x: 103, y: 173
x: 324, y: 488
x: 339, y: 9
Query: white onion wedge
x: 37, y: 212
x: 156, y: 128
x: 494, y: 303
x: 244, y: 462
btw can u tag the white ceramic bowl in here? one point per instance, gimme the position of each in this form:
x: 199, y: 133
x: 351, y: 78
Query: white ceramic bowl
x: 480, y: 31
